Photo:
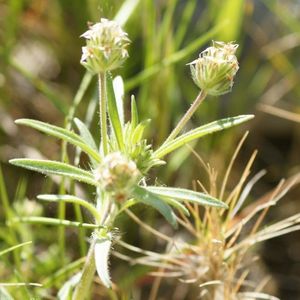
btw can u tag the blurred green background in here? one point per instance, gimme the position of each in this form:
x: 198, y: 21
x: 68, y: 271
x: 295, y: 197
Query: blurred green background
x: 40, y: 48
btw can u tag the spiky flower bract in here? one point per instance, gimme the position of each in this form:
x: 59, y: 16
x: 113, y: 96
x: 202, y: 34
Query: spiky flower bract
x: 105, y: 48
x: 214, y: 70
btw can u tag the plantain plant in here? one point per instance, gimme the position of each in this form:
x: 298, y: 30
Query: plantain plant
x: 119, y: 166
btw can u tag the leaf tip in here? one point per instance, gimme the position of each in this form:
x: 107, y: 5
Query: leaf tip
x: 12, y: 161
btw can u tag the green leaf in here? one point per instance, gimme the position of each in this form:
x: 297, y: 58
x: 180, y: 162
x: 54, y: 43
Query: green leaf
x: 200, y: 132
x: 87, y: 138
x: 63, y: 134
x: 71, y: 199
x: 176, y: 204
x: 134, y: 113
x: 139, y: 131
x: 102, y: 250
x: 85, y: 134
x: 186, y: 195
x: 145, y: 196
x: 113, y: 112
x: 55, y: 168
x: 66, y: 291
x: 118, y: 85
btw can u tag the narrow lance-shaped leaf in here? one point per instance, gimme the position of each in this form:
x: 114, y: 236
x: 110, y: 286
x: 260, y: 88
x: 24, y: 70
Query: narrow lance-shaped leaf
x: 66, y: 291
x: 55, y: 168
x: 102, y: 250
x: 134, y: 113
x: 200, y: 132
x: 139, y: 131
x: 71, y: 199
x: 85, y: 134
x: 63, y: 134
x: 118, y: 85
x: 145, y: 196
x: 187, y: 195
x: 87, y: 138
x: 113, y: 112
x: 176, y: 204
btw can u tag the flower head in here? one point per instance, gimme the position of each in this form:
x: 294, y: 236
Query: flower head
x: 215, y: 68
x: 117, y: 174
x: 105, y: 48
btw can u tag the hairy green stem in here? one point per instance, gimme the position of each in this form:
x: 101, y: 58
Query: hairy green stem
x: 51, y: 221
x: 201, y: 96
x: 87, y: 276
x: 102, y: 107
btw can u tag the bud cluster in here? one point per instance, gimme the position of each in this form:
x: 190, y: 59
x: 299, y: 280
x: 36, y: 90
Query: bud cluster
x: 105, y: 48
x: 117, y: 174
x: 215, y: 68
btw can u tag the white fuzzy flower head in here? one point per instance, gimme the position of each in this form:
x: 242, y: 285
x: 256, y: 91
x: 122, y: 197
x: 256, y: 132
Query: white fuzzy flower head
x: 117, y: 175
x: 105, y: 48
x: 214, y: 70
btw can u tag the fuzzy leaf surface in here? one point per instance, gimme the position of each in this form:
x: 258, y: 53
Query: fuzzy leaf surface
x: 70, y: 199
x: 63, y: 134
x: 147, y: 197
x: 186, y: 195
x: 55, y: 168
x: 85, y: 134
x: 102, y: 250
x: 113, y: 112
x: 200, y: 132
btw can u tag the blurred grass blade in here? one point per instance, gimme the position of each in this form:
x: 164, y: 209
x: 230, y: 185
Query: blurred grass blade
x: 173, y: 58
x: 126, y: 11
x: 85, y: 83
x: 41, y: 86
x: 231, y: 13
x: 187, y: 195
x: 149, y: 198
x: 4, y: 295
x: 200, y: 132
x: 62, y: 273
x: 4, y: 197
x: 189, y: 9
x: 13, y: 248
x: 63, y: 134
x: 55, y: 168
x: 282, y: 12
x: 70, y: 199
x: 113, y: 112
